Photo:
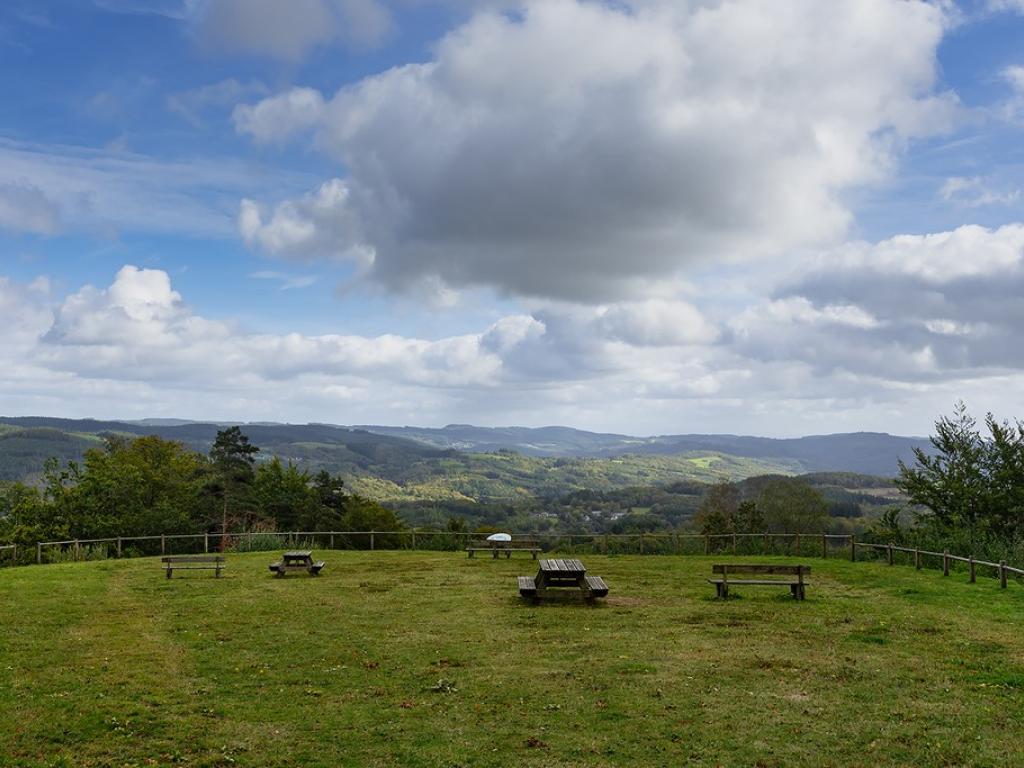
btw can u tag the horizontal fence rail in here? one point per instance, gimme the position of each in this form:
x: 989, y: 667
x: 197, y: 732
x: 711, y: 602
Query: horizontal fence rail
x: 668, y: 543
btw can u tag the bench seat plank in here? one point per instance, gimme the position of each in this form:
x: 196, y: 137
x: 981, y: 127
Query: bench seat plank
x: 597, y: 586
x: 527, y: 587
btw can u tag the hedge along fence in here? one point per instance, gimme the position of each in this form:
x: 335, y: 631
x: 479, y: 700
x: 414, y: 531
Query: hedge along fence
x: 788, y: 544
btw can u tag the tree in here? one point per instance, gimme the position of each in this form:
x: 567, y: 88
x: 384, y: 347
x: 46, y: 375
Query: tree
x: 789, y: 505
x: 717, y: 509
x: 232, y: 452
x: 286, y: 496
x: 748, y: 517
x: 138, y: 487
x: 231, y: 484
x: 970, y: 482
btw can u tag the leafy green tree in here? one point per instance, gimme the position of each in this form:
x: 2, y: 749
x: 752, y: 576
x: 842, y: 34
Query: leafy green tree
x: 362, y: 514
x: 789, y: 505
x: 748, y: 517
x: 330, y: 493
x: 286, y: 496
x: 717, y: 509
x: 138, y: 487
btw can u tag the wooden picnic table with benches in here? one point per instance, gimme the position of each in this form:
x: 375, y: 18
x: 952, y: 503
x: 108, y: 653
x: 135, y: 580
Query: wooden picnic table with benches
x: 560, y: 573
x: 796, y: 583
x: 504, y: 547
x: 297, y: 560
x: 173, y: 563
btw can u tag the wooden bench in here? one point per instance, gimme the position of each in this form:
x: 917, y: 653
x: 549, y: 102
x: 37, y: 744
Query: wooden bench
x: 496, y: 548
x: 312, y: 568
x: 527, y: 586
x: 298, y: 560
x: 193, y: 563
x: 796, y: 585
x: 597, y: 586
x: 566, y: 576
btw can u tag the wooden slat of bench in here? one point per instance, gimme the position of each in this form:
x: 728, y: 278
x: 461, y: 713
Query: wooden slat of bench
x: 597, y: 586
x: 192, y: 559
x: 760, y: 582
x: 527, y: 586
x: 789, y: 570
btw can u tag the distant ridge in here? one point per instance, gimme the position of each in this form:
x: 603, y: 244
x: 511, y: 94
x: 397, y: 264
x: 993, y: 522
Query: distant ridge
x: 872, y: 453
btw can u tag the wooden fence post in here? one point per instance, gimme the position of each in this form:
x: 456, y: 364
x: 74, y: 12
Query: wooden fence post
x: 797, y: 545
x: 917, y: 558
x: 206, y: 543
x: 734, y: 543
x: 824, y: 546
x: 1002, y: 574
x: 945, y: 562
x: 163, y: 545
x: 371, y: 541
x: 414, y: 538
x: 39, y: 554
x: 641, y: 543
x: 765, y: 545
x: 971, y: 564
x: 853, y: 548
x: 707, y: 544
x: 888, y: 553
x: 78, y: 549
x: 119, y: 546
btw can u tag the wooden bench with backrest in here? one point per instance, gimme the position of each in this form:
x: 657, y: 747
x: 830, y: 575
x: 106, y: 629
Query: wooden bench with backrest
x: 795, y: 583
x: 496, y: 548
x: 193, y: 563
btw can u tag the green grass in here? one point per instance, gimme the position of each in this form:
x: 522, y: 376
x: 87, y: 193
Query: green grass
x: 423, y: 659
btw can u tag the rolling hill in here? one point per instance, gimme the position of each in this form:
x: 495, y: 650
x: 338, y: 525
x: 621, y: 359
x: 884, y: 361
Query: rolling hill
x: 462, y: 463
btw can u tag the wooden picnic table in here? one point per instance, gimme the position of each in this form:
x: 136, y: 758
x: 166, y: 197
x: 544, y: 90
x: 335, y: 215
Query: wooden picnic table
x: 560, y: 574
x: 297, y: 560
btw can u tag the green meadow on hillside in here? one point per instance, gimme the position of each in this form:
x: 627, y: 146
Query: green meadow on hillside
x: 430, y: 659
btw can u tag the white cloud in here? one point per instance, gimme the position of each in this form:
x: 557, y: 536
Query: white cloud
x: 319, y: 225
x: 664, y: 133
x: 942, y: 257
x: 975, y: 192
x: 806, y: 361
x: 26, y: 208
x: 910, y: 309
x: 279, y: 117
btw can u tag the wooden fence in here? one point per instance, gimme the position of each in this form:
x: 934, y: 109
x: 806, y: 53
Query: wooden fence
x: 789, y: 544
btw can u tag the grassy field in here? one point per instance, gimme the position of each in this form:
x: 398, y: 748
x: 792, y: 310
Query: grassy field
x: 423, y: 659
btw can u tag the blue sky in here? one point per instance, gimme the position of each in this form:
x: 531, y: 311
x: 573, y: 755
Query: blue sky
x: 643, y: 216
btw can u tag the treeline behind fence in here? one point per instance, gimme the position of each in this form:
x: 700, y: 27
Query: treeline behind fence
x: 789, y: 544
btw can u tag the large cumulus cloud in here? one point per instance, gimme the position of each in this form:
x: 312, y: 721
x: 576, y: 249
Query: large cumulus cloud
x: 582, y: 150
x: 913, y: 308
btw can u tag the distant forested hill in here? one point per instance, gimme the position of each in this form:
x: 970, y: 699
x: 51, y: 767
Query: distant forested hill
x: 472, y: 464
x: 871, y: 453
x: 390, y: 468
